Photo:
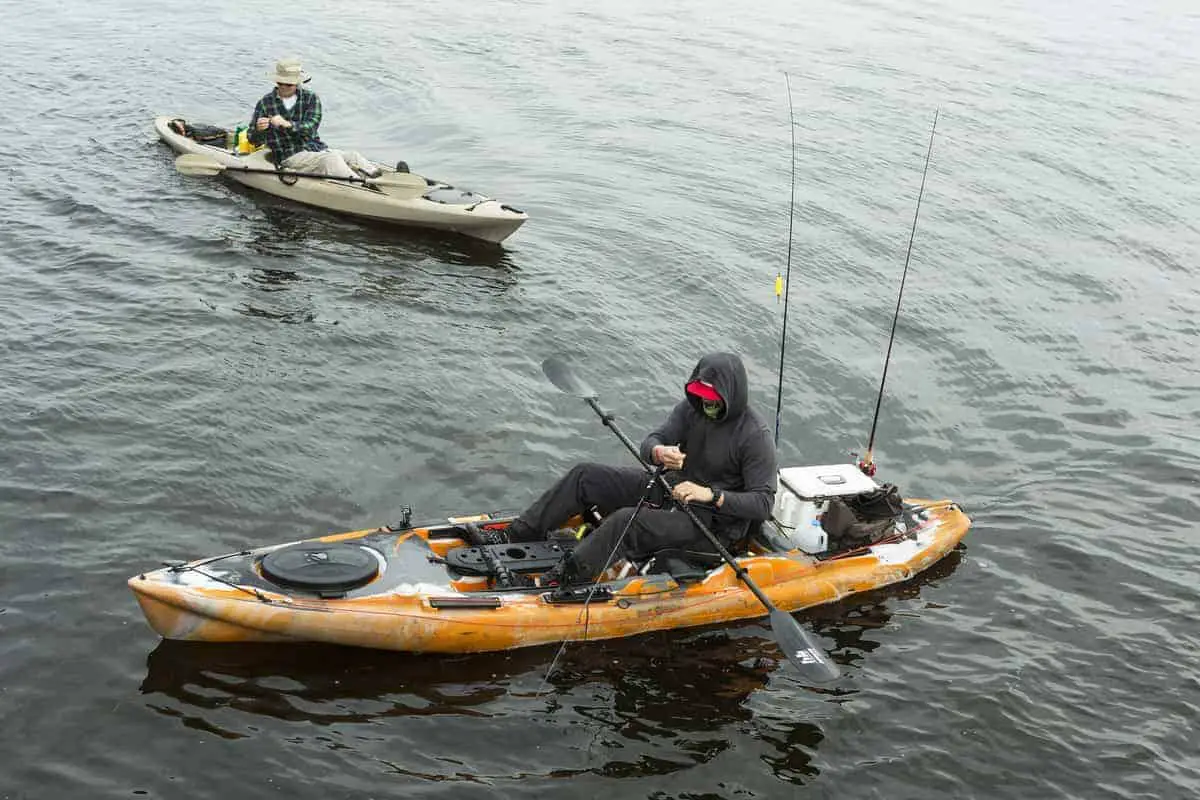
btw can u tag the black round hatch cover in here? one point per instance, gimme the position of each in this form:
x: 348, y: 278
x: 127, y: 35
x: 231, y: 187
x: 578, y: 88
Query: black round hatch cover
x: 320, y: 566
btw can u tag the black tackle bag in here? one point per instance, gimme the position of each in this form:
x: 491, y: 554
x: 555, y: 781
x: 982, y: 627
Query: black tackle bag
x: 861, y: 519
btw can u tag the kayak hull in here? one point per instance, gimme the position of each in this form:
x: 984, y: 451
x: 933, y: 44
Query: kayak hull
x: 430, y: 609
x: 482, y: 218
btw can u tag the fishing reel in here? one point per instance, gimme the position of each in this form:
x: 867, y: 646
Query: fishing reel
x: 867, y: 468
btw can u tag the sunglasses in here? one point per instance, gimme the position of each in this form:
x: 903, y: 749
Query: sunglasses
x: 285, y: 85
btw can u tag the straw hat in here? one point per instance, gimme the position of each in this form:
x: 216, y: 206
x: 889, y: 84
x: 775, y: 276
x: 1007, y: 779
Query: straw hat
x: 287, y: 70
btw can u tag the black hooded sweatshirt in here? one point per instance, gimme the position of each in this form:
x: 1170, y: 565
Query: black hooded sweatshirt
x: 734, y: 453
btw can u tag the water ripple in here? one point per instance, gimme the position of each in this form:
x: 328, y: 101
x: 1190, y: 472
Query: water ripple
x: 191, y: 368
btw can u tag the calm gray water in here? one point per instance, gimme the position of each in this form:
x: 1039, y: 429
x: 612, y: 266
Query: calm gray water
x: 190, y: 369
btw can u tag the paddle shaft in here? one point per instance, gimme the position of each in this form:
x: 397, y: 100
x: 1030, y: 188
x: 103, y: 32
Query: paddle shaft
x: 201, y: 165
x: 738, y: 569
x: 382, y: 180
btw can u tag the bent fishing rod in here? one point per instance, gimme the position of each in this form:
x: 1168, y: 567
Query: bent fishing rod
x: 783, y: 284
x: 867, y: 464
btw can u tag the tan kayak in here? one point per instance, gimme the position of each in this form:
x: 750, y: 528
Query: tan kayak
x: 437, y: 205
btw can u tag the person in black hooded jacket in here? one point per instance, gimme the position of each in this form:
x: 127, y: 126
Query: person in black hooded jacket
x: 719, y: 457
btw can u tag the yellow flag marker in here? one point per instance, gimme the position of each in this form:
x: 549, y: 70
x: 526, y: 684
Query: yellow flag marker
x: 778, y: 287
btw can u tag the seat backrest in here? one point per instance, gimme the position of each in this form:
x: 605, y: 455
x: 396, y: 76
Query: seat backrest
x: 741, y: 545
x: 685, y: 566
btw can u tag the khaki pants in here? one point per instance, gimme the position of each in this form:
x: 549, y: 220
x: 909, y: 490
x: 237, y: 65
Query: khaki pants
x: 335, y: 163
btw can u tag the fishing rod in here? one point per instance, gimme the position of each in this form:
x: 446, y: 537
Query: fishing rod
x: 782, y: 284
x: 867, y: 465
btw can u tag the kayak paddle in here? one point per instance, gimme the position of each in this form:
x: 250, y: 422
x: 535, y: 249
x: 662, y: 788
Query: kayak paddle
x: 200, y: 165
x: 791, y: 638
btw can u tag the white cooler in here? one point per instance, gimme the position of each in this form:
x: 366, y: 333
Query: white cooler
x: 804, y: 493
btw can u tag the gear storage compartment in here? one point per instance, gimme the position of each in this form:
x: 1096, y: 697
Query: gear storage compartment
x: 321, y: 567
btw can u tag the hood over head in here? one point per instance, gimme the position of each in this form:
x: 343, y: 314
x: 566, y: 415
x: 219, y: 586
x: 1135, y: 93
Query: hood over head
x: 724, y: 373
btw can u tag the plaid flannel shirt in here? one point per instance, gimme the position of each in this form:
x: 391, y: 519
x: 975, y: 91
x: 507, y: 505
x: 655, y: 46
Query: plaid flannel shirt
x: 285, y: 142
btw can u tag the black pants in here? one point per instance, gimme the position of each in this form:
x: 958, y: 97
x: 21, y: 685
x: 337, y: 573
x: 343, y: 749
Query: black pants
x: 615, y: 492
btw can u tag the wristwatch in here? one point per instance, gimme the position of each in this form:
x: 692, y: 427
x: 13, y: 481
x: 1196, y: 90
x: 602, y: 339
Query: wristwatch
x: 718, y: 496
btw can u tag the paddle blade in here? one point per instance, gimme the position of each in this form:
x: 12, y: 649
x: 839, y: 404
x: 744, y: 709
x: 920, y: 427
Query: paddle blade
x: 562, y: 376
x: 800, y: 649
x: 402, y: 188
x: 198, y: 164
x: 400, y: 180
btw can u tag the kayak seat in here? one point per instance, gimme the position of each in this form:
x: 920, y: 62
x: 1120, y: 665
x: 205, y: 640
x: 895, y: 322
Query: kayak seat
x: 685, y: 566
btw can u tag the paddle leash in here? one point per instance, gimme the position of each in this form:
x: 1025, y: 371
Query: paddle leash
x: 784, y: 282
x: 867, y: 464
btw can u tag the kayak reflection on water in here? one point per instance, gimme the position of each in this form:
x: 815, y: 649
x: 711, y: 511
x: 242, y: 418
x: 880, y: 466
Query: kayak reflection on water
x: 664, y: 696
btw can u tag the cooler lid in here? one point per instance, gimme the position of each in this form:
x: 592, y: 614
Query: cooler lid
x: 830, y: 480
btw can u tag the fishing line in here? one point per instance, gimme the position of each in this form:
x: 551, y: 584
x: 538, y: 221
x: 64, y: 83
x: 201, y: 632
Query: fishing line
x: 867, y: 465
x: 782, y: 285
x: 595, y: 584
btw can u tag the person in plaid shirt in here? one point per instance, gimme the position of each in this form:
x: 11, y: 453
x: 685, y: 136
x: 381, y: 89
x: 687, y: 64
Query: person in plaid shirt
x: 286, y: 121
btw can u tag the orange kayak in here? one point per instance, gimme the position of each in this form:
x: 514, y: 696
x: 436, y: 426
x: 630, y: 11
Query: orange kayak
x: 443, y: 588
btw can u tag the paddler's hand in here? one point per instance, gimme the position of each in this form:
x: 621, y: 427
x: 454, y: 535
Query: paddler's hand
x: 279, y: 122
x: 669, y: 455
x: 688, y: 492
x: 262, y: 123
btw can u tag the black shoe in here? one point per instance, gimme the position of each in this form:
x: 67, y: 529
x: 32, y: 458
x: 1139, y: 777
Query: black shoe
x: 494, y: 536
x: 563, y: 573
x: 519, y: 531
